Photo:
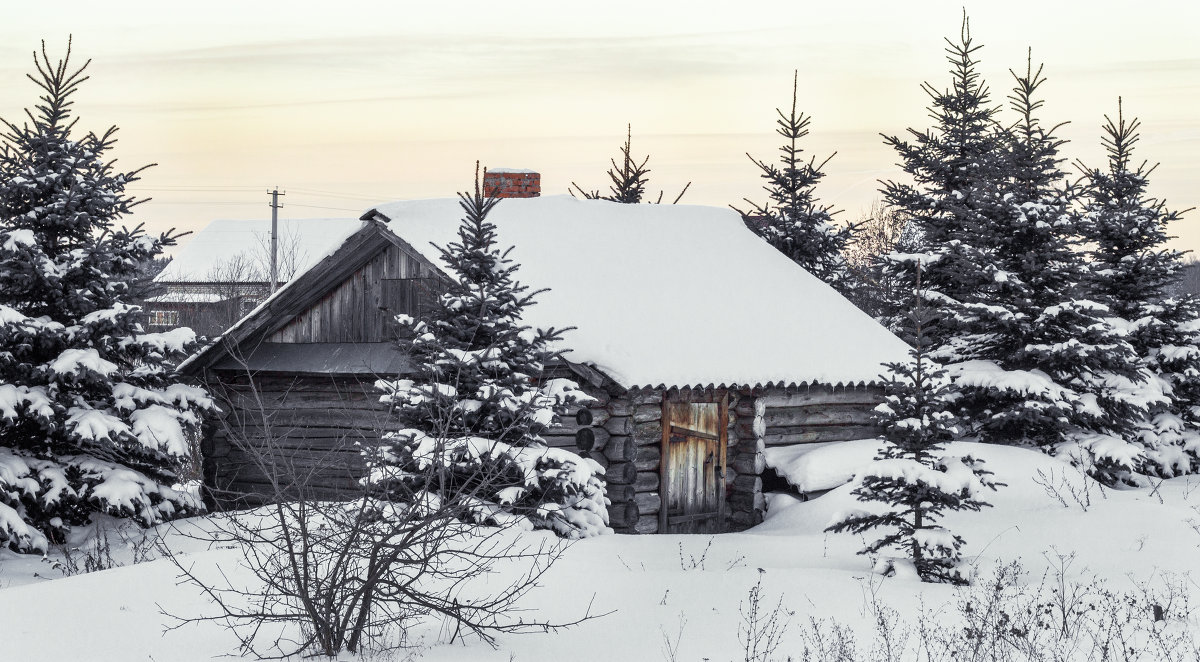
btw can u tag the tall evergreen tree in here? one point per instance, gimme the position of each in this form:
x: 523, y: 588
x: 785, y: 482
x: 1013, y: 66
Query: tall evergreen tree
x: 1033, y: 361
x: 957, y: 168
x: 1131, y: 272
x: 793, y: 220
x: 1026, y: 318
x: 473, y: 412
x: 912, y: 475
x: 91, y: 419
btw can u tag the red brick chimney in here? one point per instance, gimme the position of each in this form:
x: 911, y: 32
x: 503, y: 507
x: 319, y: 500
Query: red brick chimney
x: 512, y: 183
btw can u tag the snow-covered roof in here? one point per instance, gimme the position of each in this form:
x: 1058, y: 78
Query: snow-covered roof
x: 669, y: 295
x: 310, y: 239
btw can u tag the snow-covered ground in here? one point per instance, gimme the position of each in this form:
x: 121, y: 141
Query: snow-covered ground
x: 685, y: 588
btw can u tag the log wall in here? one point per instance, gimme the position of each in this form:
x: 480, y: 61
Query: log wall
x: 628, y: 429
x: 287, y: 431
x: 311, y: 426
x: 789, y: 417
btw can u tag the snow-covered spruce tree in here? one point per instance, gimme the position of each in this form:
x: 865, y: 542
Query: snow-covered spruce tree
x: 90, y: 416
x: 628, y: 179
x: 793, y: 220
x: 1033, y: 361
x: 957, y: 168
x: 912, y: 475
x: 473, y: 413
x: 1131, y: 272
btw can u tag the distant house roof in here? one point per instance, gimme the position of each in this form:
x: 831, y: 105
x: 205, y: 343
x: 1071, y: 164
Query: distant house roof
x: 310, y: 239
x: 188, y: 297
x: 668, y: 295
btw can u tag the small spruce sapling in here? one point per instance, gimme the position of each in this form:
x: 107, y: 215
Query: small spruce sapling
x: 477, y: 404
x: 792, y: 220
x: 628, y: 179
x: 911, y: 475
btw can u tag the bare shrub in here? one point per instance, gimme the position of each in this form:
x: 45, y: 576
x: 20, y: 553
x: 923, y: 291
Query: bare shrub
x: 762, y: 627
x: 356, y: 571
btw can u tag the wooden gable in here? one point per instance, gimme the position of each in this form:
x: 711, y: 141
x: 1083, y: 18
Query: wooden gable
x: 363, y: 306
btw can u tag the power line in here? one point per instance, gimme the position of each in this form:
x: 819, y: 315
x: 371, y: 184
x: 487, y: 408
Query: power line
x: 333, y: 208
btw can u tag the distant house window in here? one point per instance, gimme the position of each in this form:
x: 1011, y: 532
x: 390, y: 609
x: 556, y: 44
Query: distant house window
x: 164, y: 318
x: 249, y: 305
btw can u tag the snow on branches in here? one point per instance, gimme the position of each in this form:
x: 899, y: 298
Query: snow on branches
x: 90, y: 419
x: 477, y: 404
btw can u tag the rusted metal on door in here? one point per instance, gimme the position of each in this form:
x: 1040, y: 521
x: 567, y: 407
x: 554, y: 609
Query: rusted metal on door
x: 693, y: 466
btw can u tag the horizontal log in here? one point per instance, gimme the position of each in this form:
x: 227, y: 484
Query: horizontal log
x: 822, y: 396
x: 620, y: 492
x: 648, y: 433
x: 302, y: 463
x: 744, y: 407
x: 747, y: 484
x: 649, y: 503
x: 598, y: 458
x: 353, y: 397
x: 788, y: 436
x: 293, y: 384
x: 646, y: 413
x: 592, y: 439
x: 558, y: 441
x: 647, y: 481
x: 814, y: 416
x: 620, y: 407
x: 646, y: 396
x: 621, y: 473
x: 623, y: 515
x: 620, y: 425
x: 230, y: 474
x: 586, y: 417
x: 751, y: 464
x: 646, y: 525
x: 248, y: 488
x: 620, y: 449
x: 648, y: 458
x: 320, y: 418
x: 746, y: 502
x: 289, y: 443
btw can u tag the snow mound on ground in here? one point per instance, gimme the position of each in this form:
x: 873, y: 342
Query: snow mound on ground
x: 820, y: 467
x: 1025, y: 473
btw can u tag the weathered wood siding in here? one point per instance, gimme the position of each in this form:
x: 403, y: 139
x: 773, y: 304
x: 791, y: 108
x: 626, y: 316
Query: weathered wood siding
x: 289, y: 431
x: 363, y: 306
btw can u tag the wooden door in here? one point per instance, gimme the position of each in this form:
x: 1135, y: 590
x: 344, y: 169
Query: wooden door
x: 693, y: 466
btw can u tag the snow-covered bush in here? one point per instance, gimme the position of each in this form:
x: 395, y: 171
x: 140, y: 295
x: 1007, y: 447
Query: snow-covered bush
x: 496, y: 483
x: 90, y: 419
x: 474, y: 410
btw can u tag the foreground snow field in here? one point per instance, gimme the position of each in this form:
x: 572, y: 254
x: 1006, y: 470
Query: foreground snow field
x: 685, y: 587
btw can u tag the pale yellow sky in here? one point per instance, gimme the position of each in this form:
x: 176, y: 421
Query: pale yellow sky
x: 348, y: 104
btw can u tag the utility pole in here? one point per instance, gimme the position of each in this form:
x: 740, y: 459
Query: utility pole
x: 275, y: 205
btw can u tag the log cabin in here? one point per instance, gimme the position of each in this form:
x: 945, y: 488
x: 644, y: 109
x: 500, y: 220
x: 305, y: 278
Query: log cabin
x: 702, y: 345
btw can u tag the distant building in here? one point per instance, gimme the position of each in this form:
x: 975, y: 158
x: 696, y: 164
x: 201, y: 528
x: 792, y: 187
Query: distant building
x: 222, y: 272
